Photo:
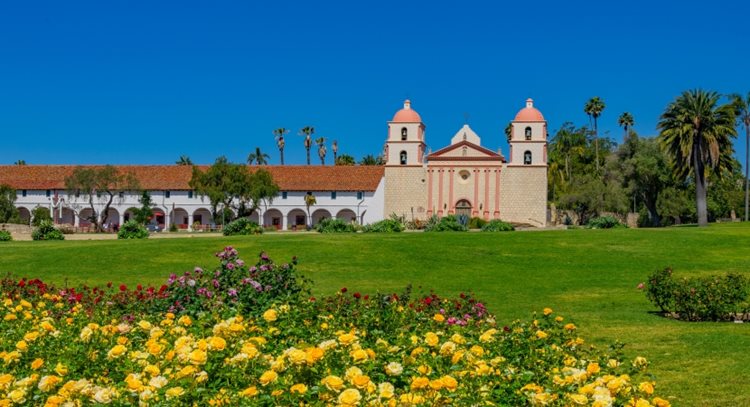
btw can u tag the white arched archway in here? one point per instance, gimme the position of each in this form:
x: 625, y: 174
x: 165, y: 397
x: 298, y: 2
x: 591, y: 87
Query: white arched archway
x: 347, y: 215
x: 297, y: 219
x: 273, y: 218
x: 319, y: 215
x: 25, y: 214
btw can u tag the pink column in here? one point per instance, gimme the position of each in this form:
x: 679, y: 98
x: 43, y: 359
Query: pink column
x: 429, y: 192
x: 497, y: 194
x: 440, y: 192
x: 450, y: 192
x: 475, y: 211
x: 486, y: 213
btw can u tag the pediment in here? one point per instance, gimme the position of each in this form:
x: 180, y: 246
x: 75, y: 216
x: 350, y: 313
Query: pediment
x: 466, y: 151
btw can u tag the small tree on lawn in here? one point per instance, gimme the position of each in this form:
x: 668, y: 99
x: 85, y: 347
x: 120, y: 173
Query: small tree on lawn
x: 8, y: 211
x: 143, y: 214
x: 39, y: 215
x: 100, y: 184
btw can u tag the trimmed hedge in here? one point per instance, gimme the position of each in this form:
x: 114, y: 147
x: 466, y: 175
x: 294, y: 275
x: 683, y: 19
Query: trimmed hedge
x: 132, y: 230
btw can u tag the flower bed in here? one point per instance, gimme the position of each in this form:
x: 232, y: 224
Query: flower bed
x: 100, y: 345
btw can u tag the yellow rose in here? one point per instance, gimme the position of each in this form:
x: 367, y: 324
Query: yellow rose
x: 175, y: 392
x: 431, y: 339
x: 547, y: 311
x: 267, y: 377
x: 61, y: 369
x: 438, y: 318
x: 660, y: 402
x: 22, y: 346
x: 47, y: 383
x: 314, y: 354
x: 449, y: 382
x: 270, y: 315
x: 393, y: 369
x: 385, y: 390
x: 593, y: 368
x: 298, y: 388
x: 297, y: 356
x: 349, y: 397
x: 541, y: 334
x: 359, y: 355
x: 5, y: 381
x: 436, y: 384
x: 447, y: 348
x: 250, y: 350
x: 37, y: 363
x: 361, y: 381
x: 251, y: 391
x: 640, y: 362
x: 116, y: 351
x: 346, y: 339
x: 334, y: 383
x: 198, y: 357
x: 570, y: 327
x: 185, y: 320
x: 216, y: 343
x: 578, y: 399
x: 646, y: 387
x: 419, y: 383
x: 18, y: 396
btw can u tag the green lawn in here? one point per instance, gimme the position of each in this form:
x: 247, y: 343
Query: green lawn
x: 589, y: 276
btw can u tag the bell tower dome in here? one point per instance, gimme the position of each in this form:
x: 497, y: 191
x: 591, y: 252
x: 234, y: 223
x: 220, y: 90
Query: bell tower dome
x: 405, y: 144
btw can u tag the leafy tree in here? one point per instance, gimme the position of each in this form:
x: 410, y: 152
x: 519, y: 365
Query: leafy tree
x: 626, y: 121
x: 725, y: 194
x: 321, y: 142
x: 100, y: 183
x: 344, y: 159
x: 279, y: 134
x: 310, y: 201
x: 589, y: 195
x: 20, y: 162
x: 257, y: 157
x: 674, y: 203
x: 8, y: 211
x: 40, y: 214
x: 370, y: 159
x: 143, y: 214
x: 645, y: 172
x: 221, y: 183
x: 307, y: 133
x: 263, y: 189
x: 742, y: 109
x: 696, y: 133
x: 184, y: 160
x: 594, y: 108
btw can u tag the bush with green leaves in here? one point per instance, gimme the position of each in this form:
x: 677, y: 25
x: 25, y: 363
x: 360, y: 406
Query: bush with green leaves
x: 242, y: 226
x: 496, y: 225
x: 706, y: 298
x: 448, y: 223
x: 384, y: 226
x: 604, y: 222
x: 132, y: 229
x: 476, y: 223
x: 5, y: 236
x: 47, y: 231
x: 334, y: 225
x: 39, y: 215
x: 173, y: 228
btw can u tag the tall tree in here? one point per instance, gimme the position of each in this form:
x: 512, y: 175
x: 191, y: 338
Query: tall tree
x: 626, y: 121
x: 100, y: 183
x: 225, y: 184
x: 184, y: 160
x: 370, y: 159
x: 8, y: 211
x: 645, y: 172
x: 143, y: 214
x: 307, y: 133
x: 263, y: 190
x: 258, y: 157
x: 594, y: 108
x: 335, y: 149
x: 321, y: 142
x: 742, y: 107
x: 309, y: 202
x: 509, y: 131
x: 344, y: 159
x: 696, y: 133
x: 279, y: 134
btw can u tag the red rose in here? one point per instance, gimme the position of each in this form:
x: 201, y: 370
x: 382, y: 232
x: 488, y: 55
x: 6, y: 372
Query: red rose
x: 123, y: 287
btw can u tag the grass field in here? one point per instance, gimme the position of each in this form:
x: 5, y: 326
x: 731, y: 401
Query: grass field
x: 589, y: 276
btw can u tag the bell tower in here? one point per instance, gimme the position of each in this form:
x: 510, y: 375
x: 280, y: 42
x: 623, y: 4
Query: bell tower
x: 405, y: 145
x: 528, y: 141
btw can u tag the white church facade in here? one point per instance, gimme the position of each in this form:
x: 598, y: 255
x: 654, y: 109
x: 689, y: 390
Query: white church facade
x: 464, y: 177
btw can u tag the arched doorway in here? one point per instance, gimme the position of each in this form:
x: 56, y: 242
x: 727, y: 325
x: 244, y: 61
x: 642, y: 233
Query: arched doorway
x: 319, y: 215
x: 463, y: 207
x: 25, y: 215
x: 273, y: 218
x: 347, y: 215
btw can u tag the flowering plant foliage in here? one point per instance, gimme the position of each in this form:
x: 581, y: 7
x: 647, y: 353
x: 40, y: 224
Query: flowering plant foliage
x: 65, y: 347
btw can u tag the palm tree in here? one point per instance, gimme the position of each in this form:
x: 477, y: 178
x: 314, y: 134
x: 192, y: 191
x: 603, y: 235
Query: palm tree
x: 257, y: 157
x: 321, y: 142
x: 695, y: 132
x: 335, y: 149
x: 509, y: 131
x: 307, y: 132
x: 593, y: 108
x: 309, y: 201
x: 626, y: 121
x: 184, y: 160
x: 280, y: 143
x: 742, y: 107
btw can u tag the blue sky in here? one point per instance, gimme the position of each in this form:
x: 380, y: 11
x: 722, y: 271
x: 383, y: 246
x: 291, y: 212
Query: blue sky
x: 144, y: 82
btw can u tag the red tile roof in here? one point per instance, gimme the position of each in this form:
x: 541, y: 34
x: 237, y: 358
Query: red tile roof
x: 177, y: 177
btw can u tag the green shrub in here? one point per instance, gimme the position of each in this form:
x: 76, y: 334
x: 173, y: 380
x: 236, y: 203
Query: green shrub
x: 47, y: 231
x: 448, y: 223
x: 39, y: 215
x: 496, y: 225
x: 242, y: 226
x: 173, y: 227
x: 604, y: 222
x: 384, y: 226
x: 476, y: 223
x: 334, y: 225
x: 132, y: 230
x: 5, y: 236
x: 710, y: 298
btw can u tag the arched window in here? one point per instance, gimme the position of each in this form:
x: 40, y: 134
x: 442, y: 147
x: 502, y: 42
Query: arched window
x: 528, y: 133
x: 403, y: 157
x: 404, y: 133
x: 527, y: 158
